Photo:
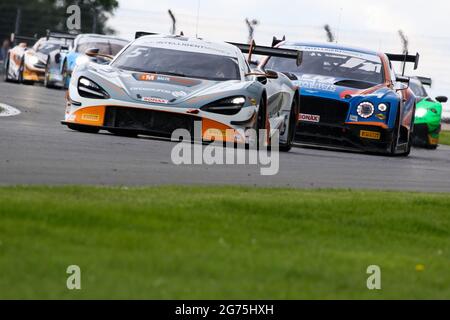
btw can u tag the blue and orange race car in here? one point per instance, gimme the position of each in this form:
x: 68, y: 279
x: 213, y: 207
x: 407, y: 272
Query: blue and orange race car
x: 350, y: 98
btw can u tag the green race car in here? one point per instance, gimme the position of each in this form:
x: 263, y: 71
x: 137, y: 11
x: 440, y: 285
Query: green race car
x: 427, y: 124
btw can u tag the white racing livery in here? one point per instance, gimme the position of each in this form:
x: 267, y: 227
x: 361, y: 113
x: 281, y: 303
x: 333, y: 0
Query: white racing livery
x: 158, y: 84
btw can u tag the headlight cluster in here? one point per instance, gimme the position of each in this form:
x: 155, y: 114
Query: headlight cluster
x: 89, y: 89
x: 228, y: 106
x: 33, y: 60
x: 82, y: 60
x: 365, y: 110
x: 383, y: 107
x: 422, y: 112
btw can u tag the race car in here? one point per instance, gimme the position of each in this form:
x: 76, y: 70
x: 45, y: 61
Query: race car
x: 160, y: 83
x: 350, y: 98
x: 60, y: 64
x: 27, y: 65
x: 428, y: 117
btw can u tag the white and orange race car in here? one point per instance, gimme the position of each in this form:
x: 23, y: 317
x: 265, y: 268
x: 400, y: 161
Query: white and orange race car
x: 159, y: 84
x: 27, y: 65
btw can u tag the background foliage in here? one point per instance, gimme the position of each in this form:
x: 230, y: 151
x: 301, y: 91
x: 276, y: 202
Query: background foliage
x: 39, y: 15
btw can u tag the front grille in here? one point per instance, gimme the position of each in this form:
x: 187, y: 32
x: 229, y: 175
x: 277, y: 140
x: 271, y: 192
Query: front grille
x: 330, y: 111
x: 148, y: 121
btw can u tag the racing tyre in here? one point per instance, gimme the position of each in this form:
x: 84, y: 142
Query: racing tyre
x: 393, y: 149
x: 21, y: 70
x: 6, y: 74
x: 292, y: 128
x: 65, y: 76
x: 81, y: 128
x: 261, y: 122
x: 47, y: 83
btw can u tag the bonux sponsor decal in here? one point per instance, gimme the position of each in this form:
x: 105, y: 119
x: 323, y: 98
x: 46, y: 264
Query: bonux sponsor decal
x: 309, y: 117
x: 370, y: 135
x: 155, y: 100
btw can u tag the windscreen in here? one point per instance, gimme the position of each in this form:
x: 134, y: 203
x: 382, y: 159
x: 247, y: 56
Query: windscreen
x: 106, y: 46
x: 418, y: 89
x: 354, y: 67
x: 178, y: 62
x: 47, y: 47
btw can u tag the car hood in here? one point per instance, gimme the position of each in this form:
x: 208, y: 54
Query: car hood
x: 334, y: 88
x: 166, y: 89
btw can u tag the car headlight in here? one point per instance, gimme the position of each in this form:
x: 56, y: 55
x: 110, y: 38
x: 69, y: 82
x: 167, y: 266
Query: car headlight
x: 227, y: 106
x: 32, y: 60
x: 82, y: 60
x: 365, y: 110
x: 89, y: 89
x: 420, y: 113
x: 383, y: 107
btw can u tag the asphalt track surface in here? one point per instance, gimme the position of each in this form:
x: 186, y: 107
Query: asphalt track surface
x: 36, y: 149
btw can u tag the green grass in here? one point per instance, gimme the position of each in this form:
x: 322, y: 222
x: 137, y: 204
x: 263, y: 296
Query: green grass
x: 222, y: 242
x: 444, y: 138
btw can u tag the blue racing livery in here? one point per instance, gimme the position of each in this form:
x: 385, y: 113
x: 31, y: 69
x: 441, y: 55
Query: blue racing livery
x: 350, y: 97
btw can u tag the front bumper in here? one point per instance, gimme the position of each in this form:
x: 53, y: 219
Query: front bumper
x: 347, y: 136
x: 423, y: 136
x: 32, y: 73
x: 154, y: 122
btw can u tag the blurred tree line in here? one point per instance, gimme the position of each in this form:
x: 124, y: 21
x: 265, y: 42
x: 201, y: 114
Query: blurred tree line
x: 37, y: 16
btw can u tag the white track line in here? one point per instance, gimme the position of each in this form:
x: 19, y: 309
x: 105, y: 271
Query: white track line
x: 8, y: 111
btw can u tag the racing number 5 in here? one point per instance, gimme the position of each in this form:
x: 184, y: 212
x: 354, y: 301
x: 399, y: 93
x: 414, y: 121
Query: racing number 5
x: 137, y: 52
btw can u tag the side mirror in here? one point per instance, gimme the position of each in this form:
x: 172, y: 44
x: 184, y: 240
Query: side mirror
x: 93, y: 52
x: 291, y: 76
x: 270, y: 74
x: 441, y: 99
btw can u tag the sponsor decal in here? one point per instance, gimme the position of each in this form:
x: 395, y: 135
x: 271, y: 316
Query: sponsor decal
x: 153, y: 77
x: 337, y: 51
x: 90, y: 117
x: 308, y: 117
x: 155, y: 100
x: 176, y: 94
x: 353, y: 118
x: 373, y: 135
x: 317, y: 82
x: 381, y: 116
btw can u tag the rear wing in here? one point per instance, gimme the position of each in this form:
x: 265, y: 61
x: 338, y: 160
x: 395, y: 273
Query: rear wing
x: 276, y: 41
x: 15, y: 39
x: 61, y: 35
x: 426, y: 81
x: 404, y: 58
x: 141, y: 34
x: 252, y: 49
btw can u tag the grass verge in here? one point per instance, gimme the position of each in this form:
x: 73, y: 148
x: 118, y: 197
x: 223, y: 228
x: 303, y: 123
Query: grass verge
x: 444, y: 138
x: 222, y: 243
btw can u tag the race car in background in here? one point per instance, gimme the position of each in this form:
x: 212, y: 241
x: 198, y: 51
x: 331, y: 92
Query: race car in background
x: 159, y: 84
x: 60, y: 64
x: 428, y: 117
x: 350, y: 98
x: 27, y: 65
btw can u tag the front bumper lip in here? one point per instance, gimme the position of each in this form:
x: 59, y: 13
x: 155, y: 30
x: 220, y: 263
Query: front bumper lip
x: 131, y: 119
x: 346, y: 136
